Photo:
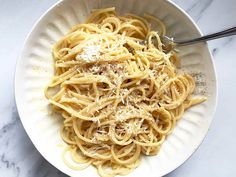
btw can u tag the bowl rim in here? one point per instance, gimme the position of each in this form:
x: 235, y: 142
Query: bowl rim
x: 20, y: 56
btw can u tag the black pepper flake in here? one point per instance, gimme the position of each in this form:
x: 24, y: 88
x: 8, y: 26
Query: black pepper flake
x: 143, y: 42
x: 130, y: 49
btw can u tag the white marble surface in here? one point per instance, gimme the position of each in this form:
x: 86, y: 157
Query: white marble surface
x: 215, y: 157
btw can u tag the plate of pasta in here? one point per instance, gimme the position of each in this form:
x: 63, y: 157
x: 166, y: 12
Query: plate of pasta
x: 99, y: 95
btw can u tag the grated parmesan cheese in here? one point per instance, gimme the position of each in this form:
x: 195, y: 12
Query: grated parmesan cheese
x: 90, y: 53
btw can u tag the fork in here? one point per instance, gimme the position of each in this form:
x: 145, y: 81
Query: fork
x: 171, y: 43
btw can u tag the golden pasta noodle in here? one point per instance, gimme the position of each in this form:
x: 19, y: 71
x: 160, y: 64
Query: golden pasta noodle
x: 119, y: 92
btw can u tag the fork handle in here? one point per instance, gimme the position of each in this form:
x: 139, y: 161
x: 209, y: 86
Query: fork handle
x: 224, y: 33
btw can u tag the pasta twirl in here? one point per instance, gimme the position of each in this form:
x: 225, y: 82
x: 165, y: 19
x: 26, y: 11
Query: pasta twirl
x: 120, y: 96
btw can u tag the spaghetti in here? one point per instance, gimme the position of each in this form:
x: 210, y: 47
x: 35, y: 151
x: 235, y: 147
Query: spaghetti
x: 120, y: 97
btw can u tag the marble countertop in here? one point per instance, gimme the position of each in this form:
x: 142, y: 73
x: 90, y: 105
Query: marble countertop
x: 215, y: 157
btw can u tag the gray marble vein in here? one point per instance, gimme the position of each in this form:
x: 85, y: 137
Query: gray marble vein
x: 9, y: 165
x: 197, y: 9
x: 215, y: 157
x: 224, y: 44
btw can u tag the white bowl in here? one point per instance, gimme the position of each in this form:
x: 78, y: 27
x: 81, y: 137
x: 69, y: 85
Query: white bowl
x: 35, y: 69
